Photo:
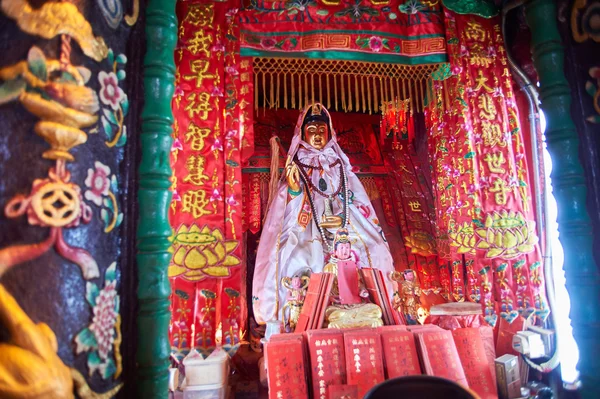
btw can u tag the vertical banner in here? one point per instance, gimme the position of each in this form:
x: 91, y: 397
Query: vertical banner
x: 481, y: 180
x: 212, y: 119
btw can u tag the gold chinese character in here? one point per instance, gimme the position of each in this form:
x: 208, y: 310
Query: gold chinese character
x: 195, y: 167
x: 195, y: 202
x: 200, y: 43
x: 196, y: 135
x: 200, y: 15
x: 500, y: 191
x: 480, y: 80
x: 479, y: 57
x: 491, y: 134
x: 245, y: 77
x: 487, y: 109
x: 245, y: 89
x: 199, y: 69
x: 198, y: 103
x: 415, y: 206
x: 475, y: 31
x: 495, y: 162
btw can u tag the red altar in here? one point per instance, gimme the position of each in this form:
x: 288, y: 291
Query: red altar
x: 450, y: 184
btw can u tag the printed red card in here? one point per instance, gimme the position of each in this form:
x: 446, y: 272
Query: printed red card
x: 400, y: 354
x: 474, y: 362
x: 348, y: 282
x: 286, y: 373
x: 327, y: 360
x: 323, y: 303
x: 383, y: 329
x: 439, y: 356
x: 364, y: 361
x: 343, y: 391
x: 487, y: 336
x: 310, y: 303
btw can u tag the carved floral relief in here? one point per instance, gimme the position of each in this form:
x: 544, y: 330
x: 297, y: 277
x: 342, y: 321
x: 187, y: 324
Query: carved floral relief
x: 67, y: 108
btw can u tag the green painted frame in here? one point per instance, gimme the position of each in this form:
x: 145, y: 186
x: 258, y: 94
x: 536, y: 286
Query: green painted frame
x: 154, y: 198
x: 568, y: 182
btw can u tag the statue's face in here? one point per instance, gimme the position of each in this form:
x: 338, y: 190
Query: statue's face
x: 409, y: 276
x: 296, y: 282
x: 342, y: 251
x: 316, y: 134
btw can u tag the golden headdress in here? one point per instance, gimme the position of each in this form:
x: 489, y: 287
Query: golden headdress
x: 341, y: 237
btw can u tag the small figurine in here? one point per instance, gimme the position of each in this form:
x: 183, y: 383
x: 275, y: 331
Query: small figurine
x: 407, y: 299
x: 347, y: 288
x: 296, y: 286
x: 348, y: 293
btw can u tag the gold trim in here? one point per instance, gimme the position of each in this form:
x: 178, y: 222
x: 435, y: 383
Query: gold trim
x: 378, y: 79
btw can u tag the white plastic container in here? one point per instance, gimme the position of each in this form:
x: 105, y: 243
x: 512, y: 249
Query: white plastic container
x: 213, y: 391
x: 214, y: 370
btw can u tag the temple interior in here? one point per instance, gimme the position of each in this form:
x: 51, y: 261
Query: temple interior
x: 299, y: 199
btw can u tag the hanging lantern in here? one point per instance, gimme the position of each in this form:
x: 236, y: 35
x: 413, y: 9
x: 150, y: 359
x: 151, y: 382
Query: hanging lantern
x: 395, y: 121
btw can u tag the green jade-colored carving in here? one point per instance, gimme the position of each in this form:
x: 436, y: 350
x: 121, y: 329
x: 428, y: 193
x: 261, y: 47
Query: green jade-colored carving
x: 154, y: 198
x: 482, y: 8
x: 568, y: 181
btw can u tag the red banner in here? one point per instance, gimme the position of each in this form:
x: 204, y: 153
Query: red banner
x: 213, y: 131
x: 372, y: 30
x: 482, y: 185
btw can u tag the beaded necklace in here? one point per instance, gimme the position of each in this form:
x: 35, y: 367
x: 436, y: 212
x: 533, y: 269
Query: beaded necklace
x: 343, y: 186
x: 315, y: 188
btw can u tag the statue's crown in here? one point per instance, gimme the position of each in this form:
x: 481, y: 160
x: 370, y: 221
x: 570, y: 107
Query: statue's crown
x: 341, y: 236
x: 317, y: 109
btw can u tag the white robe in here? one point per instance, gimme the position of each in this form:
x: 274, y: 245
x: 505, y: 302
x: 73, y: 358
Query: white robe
x: 287, y: 246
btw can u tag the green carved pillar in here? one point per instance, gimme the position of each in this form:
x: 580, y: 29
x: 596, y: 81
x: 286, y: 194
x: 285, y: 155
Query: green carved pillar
x: 568, y: 181
x: 154, y: 198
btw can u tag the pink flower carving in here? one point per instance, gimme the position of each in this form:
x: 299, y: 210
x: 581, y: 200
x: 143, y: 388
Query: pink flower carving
x: 110, y: 92
x: 176, y: 197
x: 98, y: 183
x: 215, y: 196
x: 456, y: 70
x: 268, y: 43
x: 217, y: 146
x: 231, y: 200
x: 104, y: 320
x: 216, y: 92
x: 217, y: 47
x: 232, y: 70
x: 176, y: 145
x: 375, y: 44
x: 231, y: 12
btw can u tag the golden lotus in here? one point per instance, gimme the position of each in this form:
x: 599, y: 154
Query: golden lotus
x: 464, y: 238
x: 421, y: 243
x: 507, y: 235
x: 201, y: 253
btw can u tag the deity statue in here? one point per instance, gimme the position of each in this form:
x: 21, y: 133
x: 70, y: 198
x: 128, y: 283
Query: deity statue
x: 350, y: 308
x: 409, y: 293
x: 296, y: 286
x: 317, y: 194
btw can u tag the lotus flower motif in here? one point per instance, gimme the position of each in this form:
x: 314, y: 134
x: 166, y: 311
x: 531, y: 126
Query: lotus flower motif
x: 507, y: 235
x: 420, y: 242
x: 201, y: 253
x: 464, y: 238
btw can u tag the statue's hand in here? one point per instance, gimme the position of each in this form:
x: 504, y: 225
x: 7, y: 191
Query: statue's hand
x: 331, y: 222
x: 292, y: 175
